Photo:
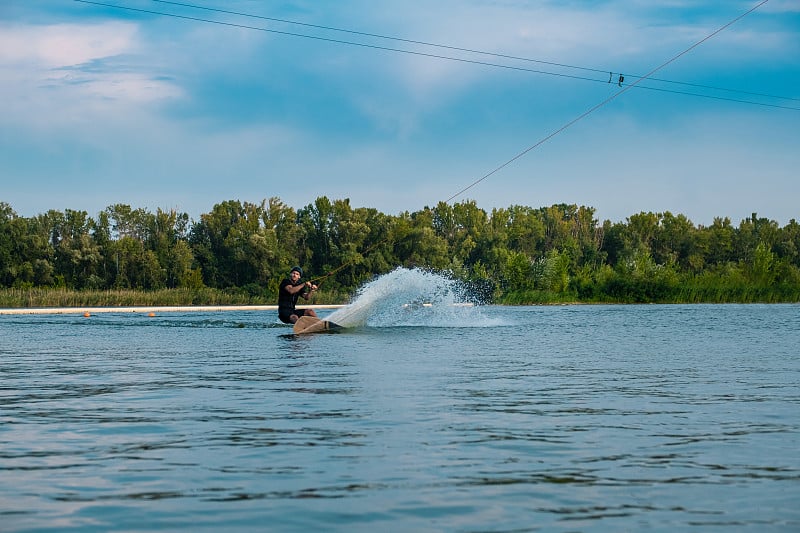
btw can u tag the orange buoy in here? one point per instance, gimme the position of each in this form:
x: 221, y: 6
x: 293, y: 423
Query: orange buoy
x: 87, y: 314
x: 151, y: 314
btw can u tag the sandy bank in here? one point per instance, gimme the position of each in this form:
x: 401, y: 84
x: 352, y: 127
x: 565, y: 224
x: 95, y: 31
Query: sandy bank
x: 153, y: 309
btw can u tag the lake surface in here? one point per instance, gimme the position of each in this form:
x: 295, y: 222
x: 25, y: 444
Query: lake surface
x: 575, y: 418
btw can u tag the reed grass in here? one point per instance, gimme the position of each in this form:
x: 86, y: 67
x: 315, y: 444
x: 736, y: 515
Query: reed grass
x: 61, y: 297
x: 536, y: 297
x: 691, y: 291
x: 46, y: 297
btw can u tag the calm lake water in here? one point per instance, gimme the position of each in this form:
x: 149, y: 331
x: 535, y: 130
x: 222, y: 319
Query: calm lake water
x: 576, y: 418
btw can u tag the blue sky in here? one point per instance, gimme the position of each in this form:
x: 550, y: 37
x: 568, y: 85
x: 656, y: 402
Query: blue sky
x: 101, y: 105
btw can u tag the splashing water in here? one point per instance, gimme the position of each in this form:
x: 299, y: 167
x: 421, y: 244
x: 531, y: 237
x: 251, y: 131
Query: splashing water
x: 411, y: 297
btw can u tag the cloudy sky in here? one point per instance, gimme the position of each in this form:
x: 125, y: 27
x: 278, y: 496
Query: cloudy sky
x: 161, y: 105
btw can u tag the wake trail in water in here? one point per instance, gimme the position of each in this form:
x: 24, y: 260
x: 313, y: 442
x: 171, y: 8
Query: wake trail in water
x: 412, y: 297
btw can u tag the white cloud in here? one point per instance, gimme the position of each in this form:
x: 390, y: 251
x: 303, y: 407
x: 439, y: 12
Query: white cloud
x: 82, y: 104
x: 65, y: 45
x: 54, y: 74
x: 782, y: 6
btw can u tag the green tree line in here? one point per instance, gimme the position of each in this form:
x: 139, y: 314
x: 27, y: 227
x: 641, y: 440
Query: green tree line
x: 518, y: 254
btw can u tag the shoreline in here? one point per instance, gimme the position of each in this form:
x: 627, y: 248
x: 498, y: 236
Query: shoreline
x: 88, y: 310
x: 151, y: 309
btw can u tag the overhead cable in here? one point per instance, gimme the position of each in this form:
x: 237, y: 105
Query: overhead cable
x: 461, y: 49
x: 604, y: 102
x: 439, y: 56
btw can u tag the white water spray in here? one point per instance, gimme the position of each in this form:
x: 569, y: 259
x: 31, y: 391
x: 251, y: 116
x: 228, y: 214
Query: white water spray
x: 411, y: 297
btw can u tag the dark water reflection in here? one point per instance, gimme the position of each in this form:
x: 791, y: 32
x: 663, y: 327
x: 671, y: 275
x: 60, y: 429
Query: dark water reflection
x: 601, y: 418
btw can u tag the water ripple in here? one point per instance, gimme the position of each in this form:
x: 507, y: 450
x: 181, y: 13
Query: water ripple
x: 601, y: 418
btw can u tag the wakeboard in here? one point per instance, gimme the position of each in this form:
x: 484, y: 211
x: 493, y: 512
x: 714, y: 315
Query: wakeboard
x: 310, y: 324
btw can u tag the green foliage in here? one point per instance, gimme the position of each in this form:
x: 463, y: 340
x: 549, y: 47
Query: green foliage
x: 239, y: 252
x: 555, y: 277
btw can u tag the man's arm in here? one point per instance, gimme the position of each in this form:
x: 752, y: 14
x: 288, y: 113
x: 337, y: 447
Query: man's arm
x: 294, y: 289
x: 311, y: 288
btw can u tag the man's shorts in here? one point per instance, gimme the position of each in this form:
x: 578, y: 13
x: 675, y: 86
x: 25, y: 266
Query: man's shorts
x: 285, y: 317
